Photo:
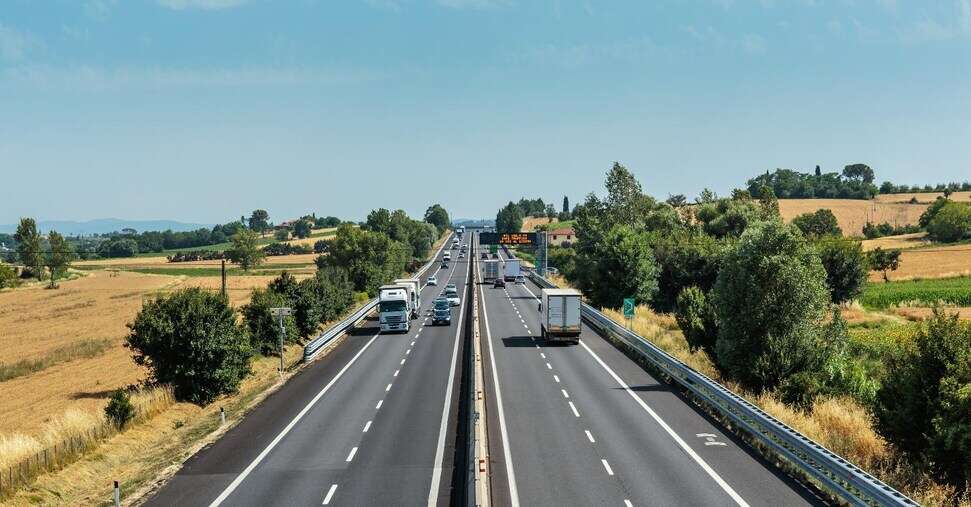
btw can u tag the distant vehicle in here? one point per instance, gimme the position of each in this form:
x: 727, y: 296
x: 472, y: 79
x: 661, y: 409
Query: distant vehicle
x: 485, y: 255
x: 442, y: 312
x: 444, y: 265
x: 521, y: 280
x: 452, y: 295
x: 490, y: 270
x: 432, y: 280
x: 393, y: 311
x: 447, y: 256
x: 451, y: 287
x: 560, y: 315
x: 499, y: 282
x: 414, y: 292
x: 511, y: 270
x: 553, y: 271
x: 462, y: 255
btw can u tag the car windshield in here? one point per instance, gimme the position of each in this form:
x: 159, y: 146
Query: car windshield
x: 392, y: 306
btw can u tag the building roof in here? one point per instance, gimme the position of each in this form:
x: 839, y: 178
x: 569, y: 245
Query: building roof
x: 563, y: 232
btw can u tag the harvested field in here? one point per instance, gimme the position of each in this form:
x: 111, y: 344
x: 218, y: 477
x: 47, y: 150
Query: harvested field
x: 530, y: 223
x: 154, y: 262
x: 931, y: 262
x: 853, y: 214
x: 903, y: 241
x: 922, y: 197
x: 917, y: 314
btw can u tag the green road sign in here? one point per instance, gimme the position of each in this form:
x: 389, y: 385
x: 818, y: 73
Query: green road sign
x: 629, y: 308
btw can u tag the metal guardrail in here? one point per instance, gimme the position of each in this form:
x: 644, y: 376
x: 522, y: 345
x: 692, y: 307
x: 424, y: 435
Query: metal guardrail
x: 313, y: 347
x: 836, y: 474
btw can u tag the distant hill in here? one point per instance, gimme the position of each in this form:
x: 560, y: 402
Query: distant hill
x: 106, y: 225
x: 474, y: 222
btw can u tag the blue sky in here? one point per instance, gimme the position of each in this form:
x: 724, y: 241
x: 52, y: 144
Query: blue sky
x: 201, y: 110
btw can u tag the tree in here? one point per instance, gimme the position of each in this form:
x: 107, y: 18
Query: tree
x: 263, y: 326
x: 566, y: 205
x: 259, y: 221
x: 379, y: 220
x: 321, y: 246
x: 281, y: 234
x: 190, y: 339
x: 509, y: 218
x: 860, y: 172
x: 884, y: 260
x: 685, y: 259
x: 676, y: 200
x: 951, y: 223
x: 370, y: 258
x: 696, y: 318
x: 931, y: 212
x: 817, y: 224
x: 327, y: 222
x: 620, y: 266
x: 8, y: 277
x: 438, y: 216
x: 29, y: 247
x: 246, y: 250
x: 769, y: 297
x: 924, y: 404
x: 118, y: 247
x: 59, y: 256
x: 846, y: 268
x: 302, y: 228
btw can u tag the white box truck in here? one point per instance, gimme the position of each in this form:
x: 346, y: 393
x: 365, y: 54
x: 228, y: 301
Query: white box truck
x: 560, y: 315
x: 511, y: 271
x: 490, y: 270
x: 414, y: 293
x: 393, y: 308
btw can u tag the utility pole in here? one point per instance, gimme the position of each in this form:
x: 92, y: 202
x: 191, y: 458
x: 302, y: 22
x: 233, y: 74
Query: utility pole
x: 281, y: 313
x: 224, y: 278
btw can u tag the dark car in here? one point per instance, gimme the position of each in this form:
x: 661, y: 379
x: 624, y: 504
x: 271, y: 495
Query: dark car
x: 499, y: 283
x: 444, y: 265
x: 485, y: 255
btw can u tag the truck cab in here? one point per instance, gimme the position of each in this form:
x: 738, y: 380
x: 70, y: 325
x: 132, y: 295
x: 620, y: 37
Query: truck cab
x: 393, y: 308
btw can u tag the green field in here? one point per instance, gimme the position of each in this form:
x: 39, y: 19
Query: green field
x: 954, y: 291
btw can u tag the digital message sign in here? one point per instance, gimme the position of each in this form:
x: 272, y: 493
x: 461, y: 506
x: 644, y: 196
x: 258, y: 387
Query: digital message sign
x: 508, y: 238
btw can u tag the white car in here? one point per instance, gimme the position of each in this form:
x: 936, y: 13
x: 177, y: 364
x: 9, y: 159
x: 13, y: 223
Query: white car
x: 452, y: 295
x: 432, y: 280
x: 521, y: 280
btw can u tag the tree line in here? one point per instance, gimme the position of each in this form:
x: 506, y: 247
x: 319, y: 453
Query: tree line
x: 510, y: 217
x: 855, y: 182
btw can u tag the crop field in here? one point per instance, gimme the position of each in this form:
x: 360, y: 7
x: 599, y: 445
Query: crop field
x: 924, y: 198
x: 931, y: 262
x: 853, y: 214
x: 902, y: 241
x: 918, y: 293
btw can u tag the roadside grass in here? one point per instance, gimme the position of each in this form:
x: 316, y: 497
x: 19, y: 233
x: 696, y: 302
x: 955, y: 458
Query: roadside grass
x: 84, y: 349
x: 841, y: 424
x: 918, y: 293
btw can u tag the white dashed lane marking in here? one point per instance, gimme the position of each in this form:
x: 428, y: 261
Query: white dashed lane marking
x: 350, y: 457
x: 367, y: 427
x: 607, y: 467
x: 574, y: 409
x: 378, y: 407
x: 590, y: 436
x: 330, y: 494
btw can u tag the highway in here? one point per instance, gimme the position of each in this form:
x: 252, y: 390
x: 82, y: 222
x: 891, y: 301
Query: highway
x: 585, y: 425
x: 372, y: 423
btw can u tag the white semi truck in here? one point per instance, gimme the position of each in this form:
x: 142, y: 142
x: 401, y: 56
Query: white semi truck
x: 490, y: 269
x: 511, y: 271
x: 414, y: 293
x: 560, y: 315
x: 394, y: 313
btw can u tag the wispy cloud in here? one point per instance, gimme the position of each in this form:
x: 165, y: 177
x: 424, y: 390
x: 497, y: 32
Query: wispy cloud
x: 13, y: 44
x: 99, y: 79
x: 209, y: 5
x: 474, y: 4
x: 933, y: 30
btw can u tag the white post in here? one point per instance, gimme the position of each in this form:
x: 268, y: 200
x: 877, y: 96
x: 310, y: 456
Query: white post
x: 282, y: 331
x: 222, y: 416
x: 117, y: 495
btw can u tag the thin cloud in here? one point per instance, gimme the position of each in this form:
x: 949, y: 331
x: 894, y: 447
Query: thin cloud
x: 209, y: 5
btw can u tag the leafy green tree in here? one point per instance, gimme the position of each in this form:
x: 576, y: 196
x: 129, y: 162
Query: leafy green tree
x: 860, y: 172
x: 246, y: 250
x: 335, y: 292
x: 931, y: 212
x: 820, y: 223
x: 29, y: 247
x: 564, y: 260
x: 685, y: 258
x: 696, y: 318
x: 120, y: 410
x: 951, y: 223
x: 621, y: 266
x: 884, y: 260
x: 328, y: 222
x: 263, y: 326
x: 302, y: 228
x: 725, y: 218
x: 58, y: 257
x: 566, y: 205
x: 190, y: 339
x: 438, y: 216
x: 846, y: 268
x: 371, y: 258
x: 769, y: 297
x: 379, y: 220
x: 118, y: 248
x: 321, y: 246
x: 259, y: 221
x: 924, y: 405
x: 281, y: 234
x: 509, y: 218
x: 677, y: 200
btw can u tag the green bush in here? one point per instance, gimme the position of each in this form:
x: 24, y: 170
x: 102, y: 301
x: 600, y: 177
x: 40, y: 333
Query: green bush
x: 8, y: 277
x: 190, y: 339
x: 951, y: 223
x: 120, y: 410
x: 620, y: 266
x: 924, y: 405
x: 818, y: 224
x: 263, y: 327
x: 684, y: 259
x: 697, y: 320
x: 769, y: 298
x: 846, y: 268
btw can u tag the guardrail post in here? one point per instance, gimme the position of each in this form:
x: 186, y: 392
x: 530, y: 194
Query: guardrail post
x: 222, y: 416
x: 117, y: 495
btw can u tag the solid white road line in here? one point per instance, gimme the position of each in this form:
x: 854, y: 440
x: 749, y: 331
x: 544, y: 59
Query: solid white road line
x: 565, y: 394
x: 367, y: 427
x: 440, y: 449
x: 330, y: 494
x: 262, y: 455
x: 607, y: 467
x: 681, y: 443
x: 378, y: 406
x: 574, y: 409
x: 510, y: 475
x: 350, y: 457
x: 590, y: 436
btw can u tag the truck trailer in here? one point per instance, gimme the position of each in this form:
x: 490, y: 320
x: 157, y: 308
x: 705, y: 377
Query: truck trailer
x: 394, y: 313
x: 414, y: 294
x: 490, y: 270
x: 511, y: 271
x: 560, y: 315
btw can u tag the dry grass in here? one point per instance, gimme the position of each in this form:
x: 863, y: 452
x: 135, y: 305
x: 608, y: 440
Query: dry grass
x: 154, y: 262
x: 932, y: 262
x: 530, y: 223
x: 853, y: 214
x: 902, y: 241
x: 924, y: 198
x: 919, y: 314
x: 84, y: 349
x: 840, y: 424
